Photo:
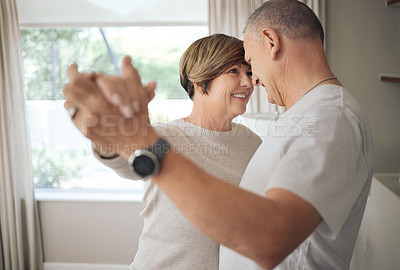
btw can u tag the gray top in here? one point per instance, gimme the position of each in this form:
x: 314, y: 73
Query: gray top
x: 169, y: 240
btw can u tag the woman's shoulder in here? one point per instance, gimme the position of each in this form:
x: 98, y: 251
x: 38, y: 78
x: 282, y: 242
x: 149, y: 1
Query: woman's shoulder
x: 242, y: 129
x: 181, y: 128
x: 170, y: 128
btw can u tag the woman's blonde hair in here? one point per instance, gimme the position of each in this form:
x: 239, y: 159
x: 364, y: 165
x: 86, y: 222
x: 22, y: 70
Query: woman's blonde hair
x: 207, y: 58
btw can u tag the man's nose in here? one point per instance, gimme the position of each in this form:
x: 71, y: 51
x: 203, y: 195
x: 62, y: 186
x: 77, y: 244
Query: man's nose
x: 255, y: 80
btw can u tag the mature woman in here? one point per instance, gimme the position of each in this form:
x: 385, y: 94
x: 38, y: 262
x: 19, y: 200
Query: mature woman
x: 218, y: 80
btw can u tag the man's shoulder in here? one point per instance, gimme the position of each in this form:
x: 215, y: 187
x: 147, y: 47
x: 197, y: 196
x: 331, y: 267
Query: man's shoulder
x: 329, y: 101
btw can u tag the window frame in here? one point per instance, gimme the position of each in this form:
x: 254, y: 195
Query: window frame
x: 98, y: 194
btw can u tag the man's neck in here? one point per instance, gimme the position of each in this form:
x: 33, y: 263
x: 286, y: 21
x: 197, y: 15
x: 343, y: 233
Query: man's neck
x: 307, y: 68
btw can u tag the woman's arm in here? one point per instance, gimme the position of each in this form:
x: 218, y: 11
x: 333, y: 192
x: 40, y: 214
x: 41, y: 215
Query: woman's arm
x: 119, y: 164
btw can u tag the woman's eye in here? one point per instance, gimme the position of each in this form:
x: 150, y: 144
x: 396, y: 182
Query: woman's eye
x: 250, y: 74
x: 233, y: 70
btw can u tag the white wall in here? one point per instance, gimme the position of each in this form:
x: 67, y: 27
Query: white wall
x: 363, y: 40
x: 90, y: 231
x: 80, y: 13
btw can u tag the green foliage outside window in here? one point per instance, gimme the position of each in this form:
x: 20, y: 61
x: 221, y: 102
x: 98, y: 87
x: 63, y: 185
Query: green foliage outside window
x: 48, y: 52
x: 50, y: 171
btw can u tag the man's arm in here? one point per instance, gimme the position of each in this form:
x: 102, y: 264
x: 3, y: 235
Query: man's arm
x: 265, y: 229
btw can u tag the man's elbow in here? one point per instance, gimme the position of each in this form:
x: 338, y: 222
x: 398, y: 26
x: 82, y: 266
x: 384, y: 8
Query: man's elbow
x: 269, y: 257
x: 268, y: 263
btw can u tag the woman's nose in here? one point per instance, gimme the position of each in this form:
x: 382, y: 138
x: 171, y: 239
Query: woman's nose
x: 245, y: 81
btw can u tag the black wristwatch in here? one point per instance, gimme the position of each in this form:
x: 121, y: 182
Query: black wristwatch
x: 146, y: 162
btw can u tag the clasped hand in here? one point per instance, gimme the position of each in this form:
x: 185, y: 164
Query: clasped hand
x: 111, y: 110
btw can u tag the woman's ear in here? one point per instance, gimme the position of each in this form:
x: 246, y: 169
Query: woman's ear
x: 272, y: 41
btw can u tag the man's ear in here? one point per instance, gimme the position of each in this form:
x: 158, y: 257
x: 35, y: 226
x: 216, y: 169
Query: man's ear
x: 271, y: 41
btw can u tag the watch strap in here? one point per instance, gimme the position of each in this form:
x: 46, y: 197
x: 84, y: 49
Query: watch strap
x: 160, y: 148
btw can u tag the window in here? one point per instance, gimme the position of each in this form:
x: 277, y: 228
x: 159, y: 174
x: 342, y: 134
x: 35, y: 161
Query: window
x: 61, y: 156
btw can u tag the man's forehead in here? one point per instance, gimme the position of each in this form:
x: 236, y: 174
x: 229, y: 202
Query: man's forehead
x: 246, y: 49
x: 246, y: 43
x: 246, y: 36
x: 248, y: 39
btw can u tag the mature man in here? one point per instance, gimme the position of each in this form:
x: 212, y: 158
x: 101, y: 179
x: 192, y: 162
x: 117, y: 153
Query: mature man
x: 303, y: 194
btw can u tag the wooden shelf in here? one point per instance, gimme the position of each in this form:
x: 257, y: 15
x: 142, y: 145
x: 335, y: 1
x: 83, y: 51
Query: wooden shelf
x: 389, y: 78
x: 392, y: 2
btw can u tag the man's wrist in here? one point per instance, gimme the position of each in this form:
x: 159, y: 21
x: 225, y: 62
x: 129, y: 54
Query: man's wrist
x: 128, y: 148
x: 147, y: 162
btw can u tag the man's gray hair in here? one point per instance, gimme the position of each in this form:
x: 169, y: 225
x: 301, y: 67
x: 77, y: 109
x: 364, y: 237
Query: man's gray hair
x: 290, y: 18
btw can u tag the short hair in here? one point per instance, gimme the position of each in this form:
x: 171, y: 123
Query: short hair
x: 290, y: 18
x: 207, y: 58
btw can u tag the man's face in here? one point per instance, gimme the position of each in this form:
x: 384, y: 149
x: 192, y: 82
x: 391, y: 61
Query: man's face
x: 257, y: 56
x: 250, y: 48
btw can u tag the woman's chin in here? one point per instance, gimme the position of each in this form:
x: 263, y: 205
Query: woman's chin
x: 239, y: 112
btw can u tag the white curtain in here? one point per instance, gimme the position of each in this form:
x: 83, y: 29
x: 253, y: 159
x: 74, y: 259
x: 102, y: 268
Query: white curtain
x: 230, y: 17
x: 20, y: 244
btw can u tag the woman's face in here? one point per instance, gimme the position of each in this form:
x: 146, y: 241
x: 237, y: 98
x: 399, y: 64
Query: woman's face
x: 229, y: 93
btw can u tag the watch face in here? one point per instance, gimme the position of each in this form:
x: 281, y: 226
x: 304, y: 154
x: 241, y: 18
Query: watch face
x: 144, y: 165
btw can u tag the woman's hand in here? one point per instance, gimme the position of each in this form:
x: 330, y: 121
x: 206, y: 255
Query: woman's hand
x: 122, y: 97
x: 102, y: 122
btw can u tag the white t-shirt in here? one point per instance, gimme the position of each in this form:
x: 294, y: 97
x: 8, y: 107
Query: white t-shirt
x: 320, y: 149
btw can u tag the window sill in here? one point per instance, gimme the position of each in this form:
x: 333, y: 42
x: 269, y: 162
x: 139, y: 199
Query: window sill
x: 86, y: 195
